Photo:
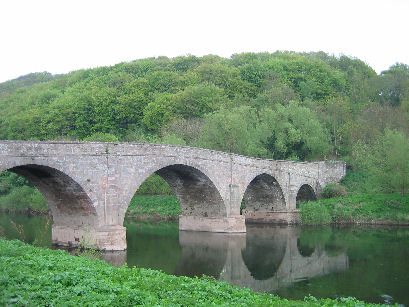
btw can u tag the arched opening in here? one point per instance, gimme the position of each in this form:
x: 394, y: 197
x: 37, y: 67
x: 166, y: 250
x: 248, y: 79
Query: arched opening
x: 264, y: 194
x: 33, y: 188
x: 68, y: 202
x: 305, y: 193
x: 264, y: 252
x: 194, y: 194
x: 17, y: 194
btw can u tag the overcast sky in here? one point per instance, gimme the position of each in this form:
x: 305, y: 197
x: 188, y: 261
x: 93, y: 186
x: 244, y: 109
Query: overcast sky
x: 59, y: 36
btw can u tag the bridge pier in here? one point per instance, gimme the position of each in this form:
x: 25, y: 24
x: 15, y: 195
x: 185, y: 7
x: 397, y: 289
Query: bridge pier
x: 103, y: 238
x: 231, y: 224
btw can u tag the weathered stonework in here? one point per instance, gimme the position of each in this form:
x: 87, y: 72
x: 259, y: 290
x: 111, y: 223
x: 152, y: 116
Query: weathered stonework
x: 89, y: 185
x: 276, y: 217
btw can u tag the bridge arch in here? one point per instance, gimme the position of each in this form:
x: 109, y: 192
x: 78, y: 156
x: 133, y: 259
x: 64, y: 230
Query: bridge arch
x: 264, y: 193
x: 197, y: 193
x: 305, y: 193
x: 69, y: 202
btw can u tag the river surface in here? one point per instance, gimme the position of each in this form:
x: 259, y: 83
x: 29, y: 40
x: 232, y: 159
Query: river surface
x: 370, y: 263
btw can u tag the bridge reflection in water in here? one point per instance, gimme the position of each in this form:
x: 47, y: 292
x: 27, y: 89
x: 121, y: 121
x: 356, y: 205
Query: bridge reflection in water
x: 265, y: 259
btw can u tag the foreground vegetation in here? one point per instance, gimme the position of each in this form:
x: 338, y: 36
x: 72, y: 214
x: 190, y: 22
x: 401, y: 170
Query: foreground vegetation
x: 33, y: 276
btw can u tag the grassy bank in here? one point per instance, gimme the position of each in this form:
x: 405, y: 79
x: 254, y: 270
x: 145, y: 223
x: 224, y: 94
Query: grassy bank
x: 387, y: 209
x: 154, y: 207
x: 33, y: 276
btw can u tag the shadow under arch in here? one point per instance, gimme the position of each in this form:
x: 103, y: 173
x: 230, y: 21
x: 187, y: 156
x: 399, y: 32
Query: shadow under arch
x: 69, y: 203
x: 264, y: 194
x: 305, y: 193
x: 265, y: 251
x: 197, y: 194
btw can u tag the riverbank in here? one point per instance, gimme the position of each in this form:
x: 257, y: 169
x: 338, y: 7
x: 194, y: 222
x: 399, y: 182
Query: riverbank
x: 371, y: 209
x: 154, y: 208
x: 39, y: 276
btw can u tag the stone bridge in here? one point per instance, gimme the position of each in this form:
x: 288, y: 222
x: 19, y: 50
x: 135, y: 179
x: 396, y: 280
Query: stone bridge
x: 90, y: 185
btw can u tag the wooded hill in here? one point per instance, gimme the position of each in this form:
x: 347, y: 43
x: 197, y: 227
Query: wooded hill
x: 282, y: 105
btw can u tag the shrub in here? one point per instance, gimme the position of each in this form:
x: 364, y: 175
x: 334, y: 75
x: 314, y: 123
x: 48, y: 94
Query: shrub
x: 154, y: 185
x: 314, y: 213
x: 332, y: 190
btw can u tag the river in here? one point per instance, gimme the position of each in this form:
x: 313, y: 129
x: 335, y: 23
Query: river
x: 370, y: 263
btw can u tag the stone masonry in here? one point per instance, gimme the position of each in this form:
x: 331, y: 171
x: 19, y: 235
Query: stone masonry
x: 89, y: 185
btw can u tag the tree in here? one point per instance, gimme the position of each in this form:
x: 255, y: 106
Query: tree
x: 158, y: 111
x: 393, y: 84
x: 236, y: 130
x: 295, y: 133
x: 334, y: 114
x: 387, y: 160
x: 196, y: 101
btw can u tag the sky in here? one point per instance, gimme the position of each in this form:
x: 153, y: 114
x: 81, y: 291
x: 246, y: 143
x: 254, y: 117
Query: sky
x: 60, y: 36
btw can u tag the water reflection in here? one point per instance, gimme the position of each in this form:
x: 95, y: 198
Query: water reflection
x: 265, y: 259
x: 264, y: 251
x: 272, y: 260
x: 203, y: 253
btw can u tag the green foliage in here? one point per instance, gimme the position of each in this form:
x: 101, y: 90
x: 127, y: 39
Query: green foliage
x: 155, y: 206
x: 115, y: 99
x: 195, y: 101
x: 332, y: 190
x: 16, y: 194
x: 393, y: 84
x: 296, y: 133
x: 158, y: 111
x: 226, y: 130
x: 33, y: 276
x: 23, y: 198
x: 359, y: 208
x: 9, y: 180
x: 24, y: 81
x: 101, y: 137
x: 314, y: 213
x: 387, y: 160
x: 154, y: 185
x: 358, y: 182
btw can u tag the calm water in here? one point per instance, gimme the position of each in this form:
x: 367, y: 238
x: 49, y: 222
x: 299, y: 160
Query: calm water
x: 369, y: 263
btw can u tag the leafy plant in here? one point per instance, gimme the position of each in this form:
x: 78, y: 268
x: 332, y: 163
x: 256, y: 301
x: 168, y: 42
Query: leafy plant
x: 332, y: 190
x: 314, y: 213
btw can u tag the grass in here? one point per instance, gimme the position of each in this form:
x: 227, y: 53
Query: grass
x: 33, y: 276
x: 166, y: 206
x: 359, y: 208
